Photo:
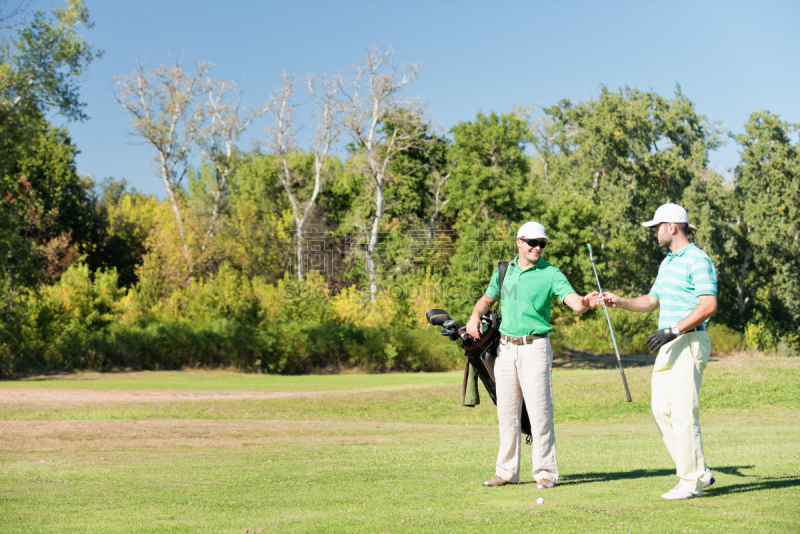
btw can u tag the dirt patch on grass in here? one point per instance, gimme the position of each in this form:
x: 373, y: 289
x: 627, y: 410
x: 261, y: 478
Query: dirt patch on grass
x: 93, y: 396
x: 176, y: 434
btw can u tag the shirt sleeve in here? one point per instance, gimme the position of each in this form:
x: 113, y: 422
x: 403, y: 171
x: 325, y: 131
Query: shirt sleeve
x: 494, y: 290
x: 561, y: 286
x: 704, y: 277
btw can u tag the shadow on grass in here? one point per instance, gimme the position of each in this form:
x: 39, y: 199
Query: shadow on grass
x: 588, y: 478
x: 761, y: 484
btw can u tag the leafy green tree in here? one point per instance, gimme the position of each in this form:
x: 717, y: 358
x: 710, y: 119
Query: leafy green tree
x: 627, y: 152
x: 125, y: 218
x: 765, y: 214
x: 489, y: 168
x: 47, y: 215
x: 255, y: 233
x: 41, y: 64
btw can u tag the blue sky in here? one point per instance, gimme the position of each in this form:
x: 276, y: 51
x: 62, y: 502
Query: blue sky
x: 730, y: 58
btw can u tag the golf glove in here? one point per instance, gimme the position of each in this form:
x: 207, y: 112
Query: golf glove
x: 661, y: 338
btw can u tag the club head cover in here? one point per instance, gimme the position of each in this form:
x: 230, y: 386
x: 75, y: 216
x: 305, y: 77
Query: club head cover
x: 437, y: 316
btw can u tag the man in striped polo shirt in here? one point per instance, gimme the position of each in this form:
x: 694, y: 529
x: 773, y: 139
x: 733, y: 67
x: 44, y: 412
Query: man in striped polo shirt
x: 685, y: 292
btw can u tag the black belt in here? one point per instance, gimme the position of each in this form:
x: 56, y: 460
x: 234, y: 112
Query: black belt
x: 522, y: 340
x: 701, y: 328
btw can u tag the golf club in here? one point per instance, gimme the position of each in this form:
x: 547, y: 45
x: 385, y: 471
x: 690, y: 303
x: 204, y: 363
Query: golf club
x: 613, y: 339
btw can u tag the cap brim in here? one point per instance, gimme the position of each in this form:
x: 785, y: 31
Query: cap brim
x: 540, y: 237
x: 650, y: 224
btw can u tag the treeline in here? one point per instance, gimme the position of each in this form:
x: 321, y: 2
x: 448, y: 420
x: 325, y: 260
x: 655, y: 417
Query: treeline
x: 324, y: 254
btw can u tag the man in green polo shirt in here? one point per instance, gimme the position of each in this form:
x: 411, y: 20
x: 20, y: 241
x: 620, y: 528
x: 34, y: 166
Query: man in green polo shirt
x: 524, y: 362
x: 685, y: 293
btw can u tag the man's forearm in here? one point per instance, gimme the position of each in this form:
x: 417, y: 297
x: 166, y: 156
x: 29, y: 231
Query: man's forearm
x: 481, y: 307
x: 642, y: 303
x: 705, y: 309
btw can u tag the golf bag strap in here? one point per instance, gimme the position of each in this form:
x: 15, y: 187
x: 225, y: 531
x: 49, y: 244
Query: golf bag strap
x: 502, y: 266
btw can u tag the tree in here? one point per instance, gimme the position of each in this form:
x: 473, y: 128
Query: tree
x: 223, y: 120
x: 163, y: 104
x: 43, y: 62
x: 46, y: 213
x: 126, y: 218
x: 490, y: 167
x: 541, y: 136
x: 282, y: 139
x: 627, y: 152
x: 765, y: 216
x: 373, y: 94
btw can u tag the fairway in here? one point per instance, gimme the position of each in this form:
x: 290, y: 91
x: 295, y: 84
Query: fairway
x: 211, y: 451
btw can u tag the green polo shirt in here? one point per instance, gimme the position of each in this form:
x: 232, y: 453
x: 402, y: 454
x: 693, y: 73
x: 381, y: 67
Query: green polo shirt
x: 682, y: 278
x: 527, y: 296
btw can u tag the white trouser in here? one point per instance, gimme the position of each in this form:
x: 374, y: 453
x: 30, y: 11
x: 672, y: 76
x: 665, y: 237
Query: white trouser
x: 524, y: 371
x: 677, y: 376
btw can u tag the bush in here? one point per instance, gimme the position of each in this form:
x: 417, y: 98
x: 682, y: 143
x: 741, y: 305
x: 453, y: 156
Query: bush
x: 591, y: 332
x: 335, y: 347
x: 177, y: 344
x: 785, y: 350
x: 724, y: 339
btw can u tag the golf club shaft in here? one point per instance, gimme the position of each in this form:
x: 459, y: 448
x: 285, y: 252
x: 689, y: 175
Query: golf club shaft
x: 613, y: 338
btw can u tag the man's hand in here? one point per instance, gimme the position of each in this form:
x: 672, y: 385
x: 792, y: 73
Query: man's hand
x: 612, y: 300
x: 581, y: 304
x: 483, y: 305
x: 591, y: 300
x: 474, y: 327
x: 660, y: 338
x: 642, y: 303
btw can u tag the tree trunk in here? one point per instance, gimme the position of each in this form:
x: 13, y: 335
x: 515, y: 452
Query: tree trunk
x: 176, y: 208
x: 741, y: 298
x: 373, y: 241
x: 301, y: 267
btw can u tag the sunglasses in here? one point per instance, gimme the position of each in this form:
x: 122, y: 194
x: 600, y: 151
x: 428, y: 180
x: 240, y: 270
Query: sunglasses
x: 541, y: 243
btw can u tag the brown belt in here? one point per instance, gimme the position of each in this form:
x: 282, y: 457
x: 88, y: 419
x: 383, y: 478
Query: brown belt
x: 522, y: 340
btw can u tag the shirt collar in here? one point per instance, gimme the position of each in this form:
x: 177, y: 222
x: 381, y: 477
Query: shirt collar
x: 682, y: 251
x: 537, y: 265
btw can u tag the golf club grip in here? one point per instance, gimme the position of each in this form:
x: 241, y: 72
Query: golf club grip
x: 624, y: 380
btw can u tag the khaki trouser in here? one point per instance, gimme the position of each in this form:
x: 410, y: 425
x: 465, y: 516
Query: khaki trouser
x: 677, y: 376
x: 524, y: 371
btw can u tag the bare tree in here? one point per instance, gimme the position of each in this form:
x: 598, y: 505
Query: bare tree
x: 374, y: 94
x: 163, y: 104
x: 282, y: 139
x: 437, y: 182
x: 541, y: 136
x: 15, y: 16
x: 223, y: 119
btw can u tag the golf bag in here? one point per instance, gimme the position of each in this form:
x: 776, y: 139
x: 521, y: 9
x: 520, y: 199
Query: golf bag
x: 481, y: 353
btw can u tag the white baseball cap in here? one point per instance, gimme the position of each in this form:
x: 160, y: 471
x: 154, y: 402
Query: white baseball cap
x: 532, y: 230
x: 669, y: 213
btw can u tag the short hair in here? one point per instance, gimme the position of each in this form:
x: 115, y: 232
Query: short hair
x: 683, y: 227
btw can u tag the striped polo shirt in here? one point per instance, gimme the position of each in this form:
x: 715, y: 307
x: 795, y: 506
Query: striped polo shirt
x: 682, y: 278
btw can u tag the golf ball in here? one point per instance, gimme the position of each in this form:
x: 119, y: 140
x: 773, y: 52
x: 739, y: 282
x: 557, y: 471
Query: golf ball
x: 539, y: 501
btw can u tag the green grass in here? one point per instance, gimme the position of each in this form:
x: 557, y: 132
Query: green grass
x: 202, y: 380
x: 389, y: 453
